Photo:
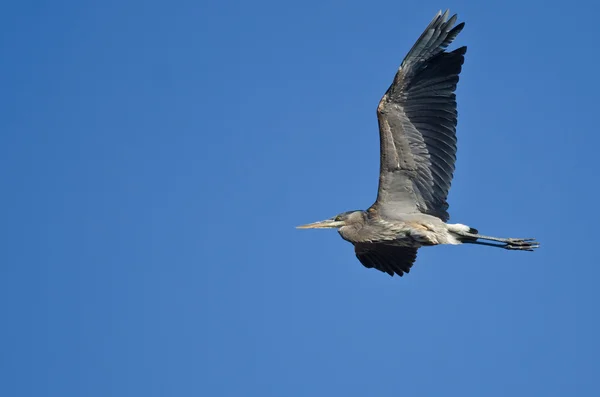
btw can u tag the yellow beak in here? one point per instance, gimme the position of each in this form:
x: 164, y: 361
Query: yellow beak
x: 326, y: 224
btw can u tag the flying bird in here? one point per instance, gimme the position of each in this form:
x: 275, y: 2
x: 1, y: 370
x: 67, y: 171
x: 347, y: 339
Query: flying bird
x: 417, y: 131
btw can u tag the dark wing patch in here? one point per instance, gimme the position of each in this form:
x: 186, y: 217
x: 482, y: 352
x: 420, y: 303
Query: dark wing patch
x: 430, y: 104
x: 417, y: 122
x: 386, y: 258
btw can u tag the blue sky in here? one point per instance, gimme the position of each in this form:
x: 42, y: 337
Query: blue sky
x: 156, y: 156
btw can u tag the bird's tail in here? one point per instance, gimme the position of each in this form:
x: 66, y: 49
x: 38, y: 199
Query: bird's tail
x: 462, y: 233
x: 466, y: 239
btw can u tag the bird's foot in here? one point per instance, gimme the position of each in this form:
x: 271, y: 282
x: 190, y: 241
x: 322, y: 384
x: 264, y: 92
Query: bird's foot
x: 521, y: 244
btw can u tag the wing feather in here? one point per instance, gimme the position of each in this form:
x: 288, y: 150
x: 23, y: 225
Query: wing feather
x: 417, y: 122
x: 386, y: 258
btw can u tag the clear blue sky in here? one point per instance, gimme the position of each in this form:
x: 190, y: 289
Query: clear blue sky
x: 155, y: 158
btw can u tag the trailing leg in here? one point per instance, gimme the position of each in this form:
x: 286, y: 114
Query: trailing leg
x: 521, y: 244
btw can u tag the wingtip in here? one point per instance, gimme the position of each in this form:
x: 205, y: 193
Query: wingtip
x: 445, y: 16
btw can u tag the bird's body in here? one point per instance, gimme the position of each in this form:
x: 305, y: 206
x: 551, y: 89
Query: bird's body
x: 406, y: 230
x: 417, y: 128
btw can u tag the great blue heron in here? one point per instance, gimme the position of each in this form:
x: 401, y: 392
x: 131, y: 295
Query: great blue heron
x: 417, y: 132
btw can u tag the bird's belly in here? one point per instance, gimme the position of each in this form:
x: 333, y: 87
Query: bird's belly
x: 416, y: 234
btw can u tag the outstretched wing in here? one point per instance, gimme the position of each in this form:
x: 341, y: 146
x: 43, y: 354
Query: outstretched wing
x: 386, y: 258
x: 417, y: 125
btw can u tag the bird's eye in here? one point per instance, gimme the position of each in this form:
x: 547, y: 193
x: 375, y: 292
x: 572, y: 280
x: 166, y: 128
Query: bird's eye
x: 338, y: 218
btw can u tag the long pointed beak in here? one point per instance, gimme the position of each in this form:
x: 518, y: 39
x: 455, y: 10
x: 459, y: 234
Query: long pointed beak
x: 326, y: 224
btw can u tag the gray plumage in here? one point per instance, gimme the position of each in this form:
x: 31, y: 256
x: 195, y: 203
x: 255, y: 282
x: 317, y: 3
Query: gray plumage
x: 417, y: 126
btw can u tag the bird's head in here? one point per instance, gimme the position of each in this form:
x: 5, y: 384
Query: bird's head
x: 343, y: 219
